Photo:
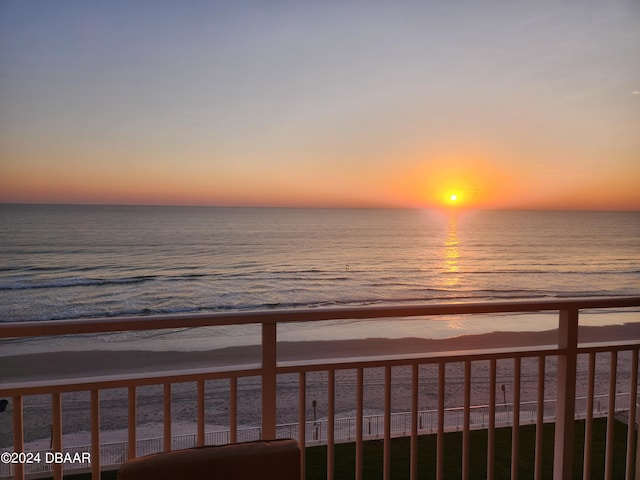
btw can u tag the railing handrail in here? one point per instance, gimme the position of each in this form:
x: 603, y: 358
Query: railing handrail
x: 158, y: 322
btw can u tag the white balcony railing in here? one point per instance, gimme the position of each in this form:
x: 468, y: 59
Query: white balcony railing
x: 564, y: 355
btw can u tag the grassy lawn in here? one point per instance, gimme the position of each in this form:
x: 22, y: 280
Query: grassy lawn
x: 373, y: 469
x: 316, y: 457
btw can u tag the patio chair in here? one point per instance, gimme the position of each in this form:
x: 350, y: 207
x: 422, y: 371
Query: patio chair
x: 264, y: 459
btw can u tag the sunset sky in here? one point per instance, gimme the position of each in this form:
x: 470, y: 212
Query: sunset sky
x: 519, y: 104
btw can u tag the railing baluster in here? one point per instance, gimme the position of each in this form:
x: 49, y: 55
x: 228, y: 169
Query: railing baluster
x: 466, y: 433
x: 302, y: 422
x: 440, y: 434
x: 167, y: 417
x: 132, y: 422
x: 539, y: 418
x: 613, y: 374
x: 588, y: 422
x: 95, y: 434
x: 201, y: 410
x: 359, y: 421
x: 56, y: 431
x: 415, y: 382
x: 515, y: 430
x: 566, y: 393
x: 491, y: 433
x: 387, y: 424
x: 18, y: 434
x: 331, y: 383
x: 233, y: 410
x: 631, y: 424
x: 635, y: 420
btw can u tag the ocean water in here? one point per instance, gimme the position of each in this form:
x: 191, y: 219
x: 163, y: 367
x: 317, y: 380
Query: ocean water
x: 64, y: 262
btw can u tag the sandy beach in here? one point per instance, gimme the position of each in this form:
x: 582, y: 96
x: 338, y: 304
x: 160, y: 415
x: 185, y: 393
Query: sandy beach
x: 37, y: 409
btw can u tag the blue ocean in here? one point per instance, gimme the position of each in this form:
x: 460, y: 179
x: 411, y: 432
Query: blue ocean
x: 71, y: 261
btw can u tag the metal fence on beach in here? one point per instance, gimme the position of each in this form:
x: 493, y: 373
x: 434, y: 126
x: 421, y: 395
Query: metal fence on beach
x: 115, y: 453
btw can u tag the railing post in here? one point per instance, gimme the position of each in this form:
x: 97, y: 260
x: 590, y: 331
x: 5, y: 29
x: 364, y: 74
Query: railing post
x: 566, y: 394
x: 268, y: 381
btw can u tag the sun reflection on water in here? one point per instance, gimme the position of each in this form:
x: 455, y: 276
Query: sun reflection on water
x: 451, y: 255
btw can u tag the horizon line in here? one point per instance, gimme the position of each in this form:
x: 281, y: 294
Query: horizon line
x: 322, y: 207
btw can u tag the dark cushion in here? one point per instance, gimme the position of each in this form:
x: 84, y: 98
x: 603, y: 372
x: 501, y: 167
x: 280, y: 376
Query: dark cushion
x: 264, y: 459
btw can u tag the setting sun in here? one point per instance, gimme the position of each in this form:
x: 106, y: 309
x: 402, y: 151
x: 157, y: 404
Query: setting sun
x: 453, y: 198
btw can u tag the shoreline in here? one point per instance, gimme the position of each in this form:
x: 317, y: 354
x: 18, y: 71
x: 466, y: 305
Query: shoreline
x: 70, y: 364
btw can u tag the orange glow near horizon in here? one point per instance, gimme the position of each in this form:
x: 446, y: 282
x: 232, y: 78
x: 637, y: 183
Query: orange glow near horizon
x: 455, y: 181
x: 424, y: 180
